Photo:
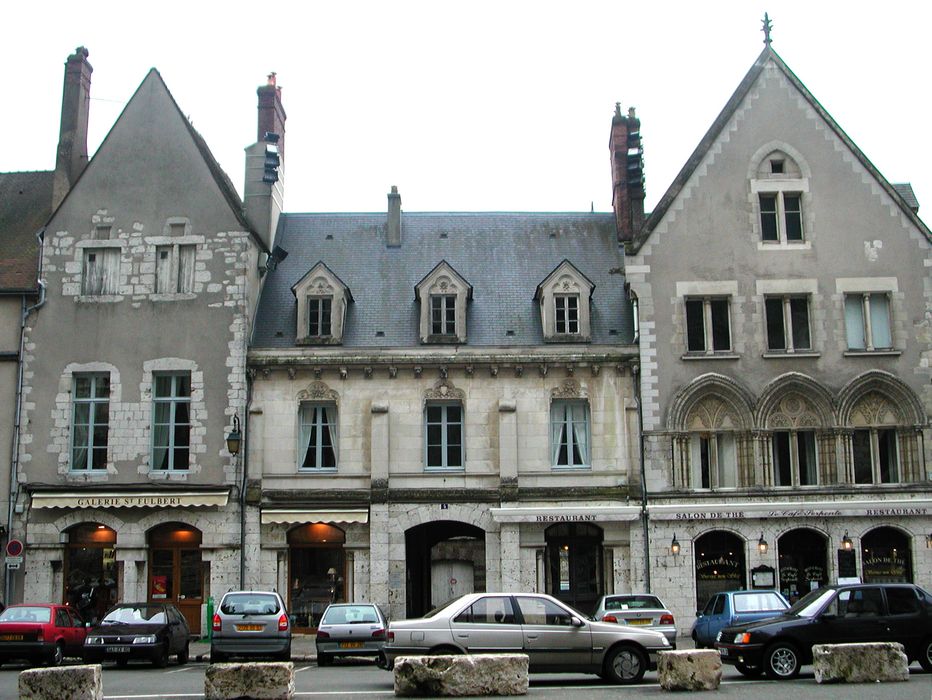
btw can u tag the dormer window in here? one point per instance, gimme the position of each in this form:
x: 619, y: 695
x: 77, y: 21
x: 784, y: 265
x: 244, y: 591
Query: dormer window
x: 443, y: 295
x: 322, y: 299
x: 780, y: 190
x: 564, y: 305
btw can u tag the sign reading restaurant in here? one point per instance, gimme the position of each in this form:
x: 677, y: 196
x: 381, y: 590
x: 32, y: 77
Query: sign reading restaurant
x: 833, y: 509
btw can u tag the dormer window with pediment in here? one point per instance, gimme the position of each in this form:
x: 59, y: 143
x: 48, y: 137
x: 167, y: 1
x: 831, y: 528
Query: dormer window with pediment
x: 564, y: 305
x: 780, y: 189
x: 322, y: 299
x: 443, y: 295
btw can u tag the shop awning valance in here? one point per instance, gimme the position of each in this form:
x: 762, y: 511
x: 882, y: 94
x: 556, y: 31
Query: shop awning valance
x: 573, y: 514
x: 900, y: 508
x: 129, y: 499
x: 303, y: 515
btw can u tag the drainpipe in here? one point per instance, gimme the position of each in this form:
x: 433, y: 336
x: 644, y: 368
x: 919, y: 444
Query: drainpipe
x: 636, y: 372
x: 14, y: 456
x: 244, y: 451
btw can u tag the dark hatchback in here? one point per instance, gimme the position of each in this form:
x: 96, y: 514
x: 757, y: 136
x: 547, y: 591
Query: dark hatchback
x: 840, y: 614
x: 139, y: 632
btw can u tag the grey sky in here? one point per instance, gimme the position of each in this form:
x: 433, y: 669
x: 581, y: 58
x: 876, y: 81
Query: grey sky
x: 479, y: 106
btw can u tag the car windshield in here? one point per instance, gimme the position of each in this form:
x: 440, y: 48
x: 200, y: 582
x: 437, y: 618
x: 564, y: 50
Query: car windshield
x: 249, y: 604
x: 758, y: 602
x: 135, y: 614
x: 350, y: 615
x: 811, y: 603
x: 632, y: 602
x: 26, y: 613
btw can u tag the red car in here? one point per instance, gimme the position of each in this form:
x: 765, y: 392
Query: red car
x: 41, y: 633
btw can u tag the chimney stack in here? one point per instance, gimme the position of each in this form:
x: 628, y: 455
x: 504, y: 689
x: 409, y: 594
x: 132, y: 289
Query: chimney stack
x: 72, y: 139
x: 627, y: 156
x: 393, y: 239
x: 264, y: 189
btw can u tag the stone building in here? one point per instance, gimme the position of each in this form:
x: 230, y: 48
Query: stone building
x: 441, y: 403
x: 134, y: 372
x: 785, y: 350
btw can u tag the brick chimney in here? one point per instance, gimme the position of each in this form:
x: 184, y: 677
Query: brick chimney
x: 627, y: 156
x: 264, y: 189
x: 393, y: 237
x: 72, y: 138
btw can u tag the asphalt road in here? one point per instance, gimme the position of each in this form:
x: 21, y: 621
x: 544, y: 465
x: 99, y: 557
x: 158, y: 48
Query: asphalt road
x: 364, y: 680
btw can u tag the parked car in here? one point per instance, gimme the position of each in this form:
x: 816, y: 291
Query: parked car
x: 555, y: 637
x: 350, y: 629
x: 139, y: 632
x: 251, y: 623
x: 40, y: 633
x: 891, y: 612
x: 639, y: 609
x: 734, y: 608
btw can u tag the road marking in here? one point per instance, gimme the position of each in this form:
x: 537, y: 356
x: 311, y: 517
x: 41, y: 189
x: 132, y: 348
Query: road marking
x: 180, y: 670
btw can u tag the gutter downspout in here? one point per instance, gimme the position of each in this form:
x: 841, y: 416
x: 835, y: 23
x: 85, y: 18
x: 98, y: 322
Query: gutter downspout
x: 636, y: 372
x: 242, y: 491
x: 20, y: 372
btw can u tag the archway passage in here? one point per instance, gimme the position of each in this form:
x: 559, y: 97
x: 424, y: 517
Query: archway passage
x: 176, y: 573
x: 316, y: 572
x: 443, y: 559
x: 803, y: 557
x: 886, y: 556
x: 574, y: 564
x: 720, y: 565
x: 90, y: 570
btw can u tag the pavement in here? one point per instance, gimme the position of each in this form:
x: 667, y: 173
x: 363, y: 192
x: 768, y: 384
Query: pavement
x: 303, y: 648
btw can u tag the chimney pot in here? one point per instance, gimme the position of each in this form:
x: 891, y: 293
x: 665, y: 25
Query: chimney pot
x: 393, y: 234
x: 71, y: 158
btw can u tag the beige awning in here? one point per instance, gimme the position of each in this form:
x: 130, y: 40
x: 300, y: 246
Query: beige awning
x: 301, y: 515
x: 127, y: 499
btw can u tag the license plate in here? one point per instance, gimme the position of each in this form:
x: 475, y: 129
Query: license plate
x: 640, y: 621
x: 723, y: 652
x: 117, y: 650
x: 249, y: 628
x: 11, y: 637
x: 351, y: 645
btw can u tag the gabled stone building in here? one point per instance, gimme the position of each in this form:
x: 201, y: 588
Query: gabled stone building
x: 785, y: 350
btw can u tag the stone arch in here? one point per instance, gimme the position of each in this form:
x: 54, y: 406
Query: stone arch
x: 317, y: 391
x: 721, y: 401
x: 104, y: 517
x: 460, y: 512
x: 570, y: 388
x: 444, y: 390
x: 878, y: 387
x: 767, y: 148
x: 772, y: 403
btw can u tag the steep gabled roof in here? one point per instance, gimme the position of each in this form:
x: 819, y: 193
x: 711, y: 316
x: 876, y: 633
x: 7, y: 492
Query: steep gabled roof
x: 679, y: 182
x: 25, y: 205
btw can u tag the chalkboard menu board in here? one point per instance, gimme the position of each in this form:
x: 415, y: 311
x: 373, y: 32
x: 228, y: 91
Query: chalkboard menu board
x: 847, y: 564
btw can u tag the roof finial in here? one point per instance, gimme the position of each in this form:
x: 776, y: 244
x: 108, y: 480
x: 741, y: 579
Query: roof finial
x: 766, y: 29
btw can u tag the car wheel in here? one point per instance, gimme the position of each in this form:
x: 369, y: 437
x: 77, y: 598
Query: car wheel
x: 749, y: 671
x: 781, y: 661
x: 217, y: 657
x: 284, y: 655
x: 184, y: 654
x: 324, y: 659
x: 58, y: 655
x: 444, y: 651
x: 160, y: 660
x: 925, y: 655
x: 625, y: 664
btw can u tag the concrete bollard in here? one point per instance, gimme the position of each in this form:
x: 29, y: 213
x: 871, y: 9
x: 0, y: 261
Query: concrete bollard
x: 689, y: 669
x: 72, y: 682
x: 257, y: 681
x: 457, y: 676
x: 860, y: 663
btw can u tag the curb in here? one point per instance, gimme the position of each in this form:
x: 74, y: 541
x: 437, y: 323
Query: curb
x: 294, y: 657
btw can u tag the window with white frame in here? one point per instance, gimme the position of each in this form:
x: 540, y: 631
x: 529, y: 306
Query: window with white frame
x: 171, y: 421
x: 442, y: 314
x: 794, y: 458
x: 100, y: 272
x: 569, y: 434
x: 317, y: 436
x: 867, y: 321
x: 788, y: 327
x: 90, y: 423
x: 443, y: 436
x: 781, y: 217
x: 174, y: 269
x: 319, y: 316
x: 708, y: 328
x: 713, y: 462
x: 566, y: 313
x: 875, y: 456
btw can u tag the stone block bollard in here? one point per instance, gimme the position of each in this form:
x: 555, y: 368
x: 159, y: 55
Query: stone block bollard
x: 860, y: 663
x: 689, y: 669
x: 72, y: 682
x: 257, y: 681
x: 457, y: 676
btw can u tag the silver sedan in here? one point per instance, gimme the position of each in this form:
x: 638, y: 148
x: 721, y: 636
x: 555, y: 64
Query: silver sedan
x: 555, y: 637
x: 641, y: 609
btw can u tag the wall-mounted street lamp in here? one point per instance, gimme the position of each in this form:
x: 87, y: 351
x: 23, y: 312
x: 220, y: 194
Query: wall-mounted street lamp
x: 235, y: 438
x: 846, y: 543
x: 762, y: 544
x: 929, y: 541
x: 674, y: 545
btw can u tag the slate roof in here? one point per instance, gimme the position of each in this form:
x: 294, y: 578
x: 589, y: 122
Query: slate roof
x: 679, y: 182
x: 25, y: 206
x: 504, y: 256
x: 905, y: 190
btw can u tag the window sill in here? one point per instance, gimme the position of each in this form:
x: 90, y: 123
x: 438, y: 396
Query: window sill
x: 178, y: 296
x: 571, y: 468
x: 778, y: 355
x: 444, y: 470
x: 873, y: 353
x: 568, y: 338
x: 710, y: 356
x: 783, y: 245
x: 311, y: 471
x: 99, y: 298
x: 169, y: 473
x: 88, y: 473
x: 443, y: 340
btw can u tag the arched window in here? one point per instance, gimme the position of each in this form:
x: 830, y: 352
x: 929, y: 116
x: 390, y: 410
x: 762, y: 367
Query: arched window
x: 886, y: 556
x: 803, y: 557
x: 780, y: 188
x: 720, y: 564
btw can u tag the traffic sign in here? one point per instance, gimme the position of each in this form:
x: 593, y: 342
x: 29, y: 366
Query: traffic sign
x: 14, y: 548
x: 14, y: 562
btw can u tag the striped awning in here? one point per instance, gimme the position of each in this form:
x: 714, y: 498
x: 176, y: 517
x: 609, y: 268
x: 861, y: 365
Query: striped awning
x: 303, y: 515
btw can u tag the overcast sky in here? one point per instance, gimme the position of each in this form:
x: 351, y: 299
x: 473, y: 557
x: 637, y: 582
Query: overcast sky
x: 468, y: 106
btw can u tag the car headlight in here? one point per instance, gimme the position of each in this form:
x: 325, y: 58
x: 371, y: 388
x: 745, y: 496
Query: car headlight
x: 144, y: 639
x: 94, y: 640
x: 743, y: 638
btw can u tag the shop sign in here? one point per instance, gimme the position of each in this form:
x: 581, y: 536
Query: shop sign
x: 717, y: 569
x: 815, y: 573
x: 159, y: 587
x: 755, y: 510
x: 587, y: 518
x: 885, y: 566
x: 128, y: 500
